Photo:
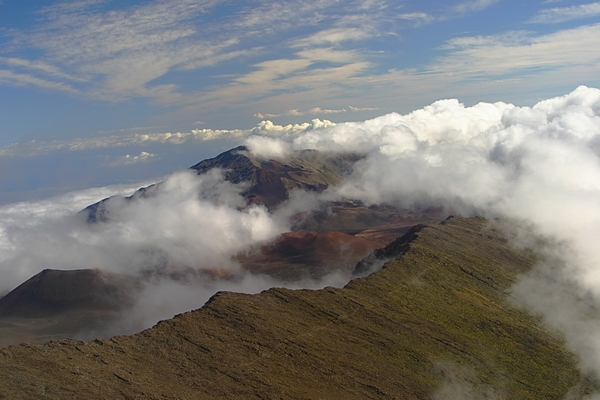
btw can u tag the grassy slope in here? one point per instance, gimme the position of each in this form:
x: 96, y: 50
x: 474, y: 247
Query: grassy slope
x: 436, y: 321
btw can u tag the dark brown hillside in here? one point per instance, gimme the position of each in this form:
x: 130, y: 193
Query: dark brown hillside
x: 58, y: 304
x: 435, y: 320
x: 302, y: 254
x: 269, y: 181
x: 53, y: 292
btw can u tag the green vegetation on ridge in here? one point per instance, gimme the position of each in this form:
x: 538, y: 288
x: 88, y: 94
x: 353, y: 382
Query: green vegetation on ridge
x: 435, y: 323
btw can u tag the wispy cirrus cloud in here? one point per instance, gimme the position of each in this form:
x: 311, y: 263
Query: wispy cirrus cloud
x: 503, y: 54
x: 333, y: 36
x: 310, y: 74
x: 476, y: 64
x: 23, y: 79
x: 564, y: 14
x: 116, y: 55
x: 276, y: 56
x: 40, y: 66
x: 417, y: 17
x: 473, y: 6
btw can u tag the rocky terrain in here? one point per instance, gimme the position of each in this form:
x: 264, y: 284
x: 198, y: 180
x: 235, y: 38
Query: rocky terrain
x: 436, y: 322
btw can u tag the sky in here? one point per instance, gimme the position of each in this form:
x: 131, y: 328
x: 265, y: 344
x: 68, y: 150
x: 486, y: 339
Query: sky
x: 101, y: 92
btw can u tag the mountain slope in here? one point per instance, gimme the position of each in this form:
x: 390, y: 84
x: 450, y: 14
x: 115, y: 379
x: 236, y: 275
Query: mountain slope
x: 57, y: 304
x: 435, y: 322
x: 268, y: 181
x: 301, y: 254
x: 52, y: 292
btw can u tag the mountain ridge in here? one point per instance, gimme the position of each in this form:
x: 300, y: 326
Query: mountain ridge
x: 425, y: 324
x: 269, y: 180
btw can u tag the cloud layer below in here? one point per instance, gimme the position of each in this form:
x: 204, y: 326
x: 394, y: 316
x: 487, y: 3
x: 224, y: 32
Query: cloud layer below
x: 537, y: 168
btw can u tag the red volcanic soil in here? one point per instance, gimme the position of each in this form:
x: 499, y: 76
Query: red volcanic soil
x: 304, y: 253
x: 381, y: 224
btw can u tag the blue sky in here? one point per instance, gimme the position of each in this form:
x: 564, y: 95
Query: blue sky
x: 96, y: 92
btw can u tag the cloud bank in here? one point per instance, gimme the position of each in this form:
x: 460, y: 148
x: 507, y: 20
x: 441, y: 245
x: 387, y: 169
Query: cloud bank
x: 264, y: 128
x: 537, y: 168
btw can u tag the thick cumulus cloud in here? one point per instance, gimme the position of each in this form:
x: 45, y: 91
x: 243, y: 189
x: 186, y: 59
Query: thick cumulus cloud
x: 538, y: 167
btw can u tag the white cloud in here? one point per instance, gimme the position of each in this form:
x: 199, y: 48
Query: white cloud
x: 419, y: 17
x: 333, y: 36
x: 158, y: 232
x: 39, y: 66
x: 358, y: 109
x: 564, y: 14
x: 319, y: 110
x: 268, y: 128
x: 268, y: 147
x: 269, y: 115
x: 127, y: 159
x: 20, y: 79
x: 473, y: 6
x: 500, y: 55
x: 30, y: 215
x: 537, y: 167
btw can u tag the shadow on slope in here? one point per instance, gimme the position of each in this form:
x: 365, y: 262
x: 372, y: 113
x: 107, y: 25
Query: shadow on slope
x: 57, y: 304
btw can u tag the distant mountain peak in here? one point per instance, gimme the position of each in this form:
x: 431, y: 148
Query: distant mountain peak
x: 269, y: 180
